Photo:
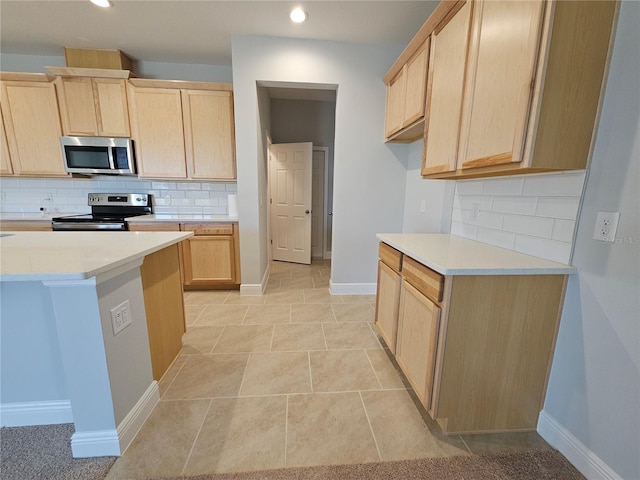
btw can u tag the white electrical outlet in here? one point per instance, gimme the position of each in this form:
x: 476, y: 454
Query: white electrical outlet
x: 606, y: 226
x: 475, y: 210
x: 120, y: 317
x: 423, y: 206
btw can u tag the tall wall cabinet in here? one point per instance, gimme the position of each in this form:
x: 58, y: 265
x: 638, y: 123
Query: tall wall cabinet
x: 513, y: 87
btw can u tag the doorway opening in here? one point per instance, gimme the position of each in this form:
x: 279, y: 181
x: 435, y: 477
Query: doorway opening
x: 300, y: 145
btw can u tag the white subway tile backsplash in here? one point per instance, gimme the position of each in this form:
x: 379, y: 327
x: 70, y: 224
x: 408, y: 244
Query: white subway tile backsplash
x: 190, y: 210
x: 196, y: 194
x: 498, y: 238
x: 469, y: 187
x: 188, y: 186
x: 564, y: 184
x: 563, y: 230
x: 534, y: 214
x: 515, y: 205
x: 206, y: 202
x: 545, y: 248
x: 490, y: 220
x: 163, y: 185
x: 503, y: 186
x: 8, y: 183
x: 231, y: 187
x: 534, y: 226
x: 558, y: 207
x: 214, y: 210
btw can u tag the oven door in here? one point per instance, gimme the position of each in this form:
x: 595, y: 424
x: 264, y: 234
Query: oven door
x: 67, y: 226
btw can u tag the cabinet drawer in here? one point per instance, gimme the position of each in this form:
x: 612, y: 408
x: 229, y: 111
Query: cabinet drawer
x: 154, y: 227
x: 208, y: 228
x: 427, y: 281
x: 391, y: 257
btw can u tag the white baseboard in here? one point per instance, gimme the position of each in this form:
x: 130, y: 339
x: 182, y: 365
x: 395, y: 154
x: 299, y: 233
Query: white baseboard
x: 102, y: 443
x: 99, y: 443
x: 132, y: 423
x: 352, y: 288
x: 25, y: 414
x: 255, y: 288
x: 587, y: 462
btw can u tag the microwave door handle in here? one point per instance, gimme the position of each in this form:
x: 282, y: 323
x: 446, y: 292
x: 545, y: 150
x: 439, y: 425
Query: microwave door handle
x: 110, y: 153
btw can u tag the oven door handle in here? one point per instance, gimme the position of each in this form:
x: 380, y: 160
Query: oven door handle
x: 61, y: 226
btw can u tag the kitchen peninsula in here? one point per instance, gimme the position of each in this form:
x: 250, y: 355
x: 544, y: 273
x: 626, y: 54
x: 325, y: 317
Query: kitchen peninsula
x: 79, y: 314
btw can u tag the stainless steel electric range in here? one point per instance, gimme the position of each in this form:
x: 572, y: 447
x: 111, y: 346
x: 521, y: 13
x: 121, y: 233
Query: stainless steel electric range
x: 108, y: 212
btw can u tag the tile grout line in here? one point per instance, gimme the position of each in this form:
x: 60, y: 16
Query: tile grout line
x: 244, y: 373
x: 366, y: 414
x: 373, y: 368
x: 286, y: 429
x: 310, y: 374
x: 324, y: 335
x: 195, y: 440
x: 175, y: 376
x: 273, y: 332
x: 218, y: 339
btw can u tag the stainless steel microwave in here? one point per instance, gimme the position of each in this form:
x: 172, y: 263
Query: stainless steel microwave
x: 98, y: 155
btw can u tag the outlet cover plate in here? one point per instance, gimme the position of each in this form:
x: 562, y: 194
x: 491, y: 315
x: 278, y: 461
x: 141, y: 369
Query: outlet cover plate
x: 120, y: 317
x: 606, y: 226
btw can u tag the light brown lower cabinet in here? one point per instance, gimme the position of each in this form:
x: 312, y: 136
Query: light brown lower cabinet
x: 388, y: 294
x: 476, y: 349
x: 25, y: 226
x: 164, y: 307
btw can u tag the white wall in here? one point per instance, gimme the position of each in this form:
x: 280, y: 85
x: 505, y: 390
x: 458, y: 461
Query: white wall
x: 368, y: 179
x: 594, y: 389
x: 168, y: 71
x: 437, y: 196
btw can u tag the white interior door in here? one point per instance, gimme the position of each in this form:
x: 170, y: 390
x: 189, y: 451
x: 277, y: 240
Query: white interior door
x: 290, y: 175
x: 317, y: 203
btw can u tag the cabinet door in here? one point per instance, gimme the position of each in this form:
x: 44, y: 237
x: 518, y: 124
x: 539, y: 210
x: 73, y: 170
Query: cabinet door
x: 209, y: 134
x: 77, y: 107
x: 395, y: 104
x: 417, y: 340
x: 209, y: 260
x: 111, y: 107
x: 449, y: 46
x: 156, y: 123
x: 5, y: 159
x: 504, y: 50
x: 32, y: 123
x: 416, y: 85
x: 387, y: 303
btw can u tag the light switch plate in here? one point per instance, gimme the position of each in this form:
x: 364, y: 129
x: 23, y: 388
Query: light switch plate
x: 606, y: 226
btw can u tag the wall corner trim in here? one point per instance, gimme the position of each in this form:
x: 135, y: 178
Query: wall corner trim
x: 586, y: 461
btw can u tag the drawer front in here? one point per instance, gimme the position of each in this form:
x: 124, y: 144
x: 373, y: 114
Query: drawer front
x: 424, y: 279
x: 208, y: 228
x: 391, y: 257
x: 154, y: 227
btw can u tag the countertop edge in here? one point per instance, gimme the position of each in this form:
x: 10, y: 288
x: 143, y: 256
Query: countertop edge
x: 181, y: 218
x: 560, y: 269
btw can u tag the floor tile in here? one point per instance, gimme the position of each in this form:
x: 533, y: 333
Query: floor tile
x: 191, y: 313
x: 162, y: 446
x: 320, y: 295
x: 348, y: 335
x: 297, y: 283
x: 235, y: 298
x: 388, y: 375
x: 359, y: 298
x: 198, y: 340
x: 277, y: 373
x: 310, y: 312
x: 240, y: 434
x: 298, y: 336
x: 208, y: 376
x: 170, y: 374
x: 399, y: 430
x: 342, y: 371
x: 328, y: 429
x: 244, y: 338
x: 505, y: 442
x: 321, y: 282
x: 353, y: 312
x: 222, y: 315
x: 205, y: 297
x: 268, y: 314
x: 285, y: 296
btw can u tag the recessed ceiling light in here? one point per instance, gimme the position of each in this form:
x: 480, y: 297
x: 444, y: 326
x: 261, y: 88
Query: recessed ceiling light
x: 101, y: 3
x: 298, y: 15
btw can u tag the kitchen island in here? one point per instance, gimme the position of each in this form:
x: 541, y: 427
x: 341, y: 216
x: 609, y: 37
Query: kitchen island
x: 74, y: 330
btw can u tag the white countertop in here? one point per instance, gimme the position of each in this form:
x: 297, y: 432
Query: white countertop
x: 166, y: 217
x: 452, y: 255
x: 36, y: 256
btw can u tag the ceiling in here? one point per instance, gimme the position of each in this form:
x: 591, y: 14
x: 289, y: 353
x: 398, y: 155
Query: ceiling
x: 198, y: 32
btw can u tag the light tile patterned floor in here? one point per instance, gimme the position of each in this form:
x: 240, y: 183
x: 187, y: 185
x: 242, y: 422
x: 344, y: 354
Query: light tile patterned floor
x: 295, y: 377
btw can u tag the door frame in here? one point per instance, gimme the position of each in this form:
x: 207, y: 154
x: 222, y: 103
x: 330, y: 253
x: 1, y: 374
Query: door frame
x: 325, y: 200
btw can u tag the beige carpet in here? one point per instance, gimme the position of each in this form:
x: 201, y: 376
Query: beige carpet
x: 535, y: 465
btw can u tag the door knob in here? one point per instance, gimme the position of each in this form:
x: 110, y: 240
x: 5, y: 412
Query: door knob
x: 307, y: 212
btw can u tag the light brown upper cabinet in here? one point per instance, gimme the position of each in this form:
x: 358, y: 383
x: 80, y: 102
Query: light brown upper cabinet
x: 5, y: 159
x: 182, y: 130
x: 209, y: 134
x: 93, y: 106
x: 32, y: 125
x: 406, y: 98
x: 531, y: 95
x: 449, y: 46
